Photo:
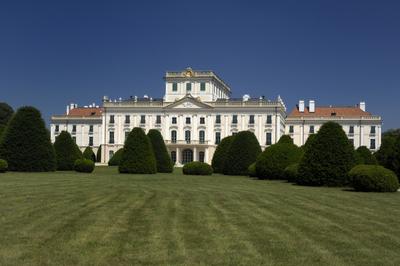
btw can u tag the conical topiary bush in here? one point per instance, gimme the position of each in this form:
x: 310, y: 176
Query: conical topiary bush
x: 67, y: 152
x: 164, y: 162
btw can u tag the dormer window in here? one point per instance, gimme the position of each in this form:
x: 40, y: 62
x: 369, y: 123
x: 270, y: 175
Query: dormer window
x: 202, y: 86
x: 174, y: 86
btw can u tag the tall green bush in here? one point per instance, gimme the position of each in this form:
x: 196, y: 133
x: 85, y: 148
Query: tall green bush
x: 89, y: 154
x: 364, y: 156
x: 6, y: 113
x: 388, y: 154
x: 272, y: 162
x: 164, y: 162
x: 98, y: 154
x: 116, y: 159
x: 328, y: 159
x: 138, y: 156
x: 220, y: 153
x: 285, y: 139
x: 242, y: 152
x: 67, y: 152
x: 26, y: 145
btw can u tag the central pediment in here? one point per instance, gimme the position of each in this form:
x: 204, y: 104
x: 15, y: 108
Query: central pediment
x: 188, y: 102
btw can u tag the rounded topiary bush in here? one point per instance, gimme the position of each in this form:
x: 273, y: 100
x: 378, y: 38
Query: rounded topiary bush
x: 291, y: 172
x: 252, y: 170
x: 373, y: 178
x: 116, y: 159
x: 89, y: 154
x: 197, y: 168
x: 219, y: 156
x: 3, y: 166
x: 285, y: 139
x: 364, y: 156
x: 242, y: 152
x: 138, y: 156
x: 67, y: 152
x: 25, y: 143
x: 328, y: 159
x: 272, y: 162
x: 164, y: 162
x: 84, y: 165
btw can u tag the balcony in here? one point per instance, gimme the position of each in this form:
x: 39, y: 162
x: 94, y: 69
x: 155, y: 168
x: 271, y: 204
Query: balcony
x: 186, y: 142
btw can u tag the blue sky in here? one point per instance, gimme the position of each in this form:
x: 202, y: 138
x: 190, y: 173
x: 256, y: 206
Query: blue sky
x: 336, y: 52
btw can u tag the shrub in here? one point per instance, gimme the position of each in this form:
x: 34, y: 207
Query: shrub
x: 374, y: 178
x: 242, y: 152
x: 67, y: 152
x: 116, y: 159
x: 164, y: 162
x: 309, y: 141
x: 6, y: 113
x: 252, y: 170
x: 197, y: 168
x: 272, y: 162
x: 291, y: 172
x: 138, y: 156
x: 89, y: 154
x: 98, y: 154
x: 3, y: 166
x: 84, y: 165
x: 328, y: 159
x: 285, y: 139
x: 25, y: 143
x: 364, y: 156
x: 218, y: 159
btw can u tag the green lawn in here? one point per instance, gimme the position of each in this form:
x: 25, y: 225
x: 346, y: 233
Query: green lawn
x: 106, y: 218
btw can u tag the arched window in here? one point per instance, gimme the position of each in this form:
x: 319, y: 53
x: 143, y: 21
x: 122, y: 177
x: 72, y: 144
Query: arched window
x: 173, y: 136
x: 187, y: 156
x: 202, y: 136
x: 187, y: 136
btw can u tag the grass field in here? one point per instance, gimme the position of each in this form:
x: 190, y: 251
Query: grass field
x: 104, y: 218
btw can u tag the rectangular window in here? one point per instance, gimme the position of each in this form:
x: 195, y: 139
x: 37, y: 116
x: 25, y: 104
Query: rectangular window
x: 112, y: 119
x: 142, y: 119
x: 173, y: 136
x: 174, y: 86
x: 73, y: 128
x: 311, y: 129
x: 173, y: 120
x: 57, y: 128
x: 187, y: 120
x: 111, y: 137
x: 202, y: 86
x: 268, y: 138
x: 218, y: 119
x: 202, y: 136
x: 373, y: 129
x: 217, y: 137
x: 234, y: 119
x: 251, y: 120
x: 189, y: 86
x: 372, y: 145
x: 351, y: 130
x: 90, y: 141
x: 126, y: 134
x: 269, y: 119
x: 127, y: 119
x: 158, y: 119
x: 291, y: 129
x: 201, y: 156
x: 202, y: 120
x: 91, y: 129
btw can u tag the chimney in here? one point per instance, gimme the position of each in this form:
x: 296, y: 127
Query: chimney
x: 71, y: 106
x: 311, y: 107
x: 363, y: 106
x: 301, y: 106
x: 67, y: 109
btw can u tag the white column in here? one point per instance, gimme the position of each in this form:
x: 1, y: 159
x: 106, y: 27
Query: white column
x: 178, y: 156
x: 195, y: 154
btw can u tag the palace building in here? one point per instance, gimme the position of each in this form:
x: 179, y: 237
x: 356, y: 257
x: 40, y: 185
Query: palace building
x: 197, y: 111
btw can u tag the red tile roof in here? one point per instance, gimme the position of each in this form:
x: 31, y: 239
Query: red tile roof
x: 329, y: 112
x: 81, y: 111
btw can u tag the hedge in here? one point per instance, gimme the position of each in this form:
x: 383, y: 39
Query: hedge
x: 197, y: 168
x: 67, y: 152
x: 6, y: 113
x: 3, y: 166
x: 89, y: 154
x: 364, y: 156
x: 116, y: 159
x: 25, y: 143
x: 242, y: 152
x: 252, y: 170
x: 84, y: 165
x: 98, y: 154
x: 138, y: 156
x: 220, y: 153
x: 291, y: 172
x: 373, y: 178
x: 164, y: 162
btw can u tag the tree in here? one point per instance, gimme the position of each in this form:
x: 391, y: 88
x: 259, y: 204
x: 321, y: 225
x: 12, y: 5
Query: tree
x: 328, y: 159
x: 309, y: 140
x: 164, y: 162
x: 388, y: 152
x: 67, y: 152
x: 98, y: 154
x: 115, y: 160
x: 89, y: 154
x: 138, y: 156
x: 242, y: 152
x: 6, y: 113
x: 285, y: 139
x: 364, y: 156
x: 272, y: 162
x: 26, y: 145
x: 218, y: 159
